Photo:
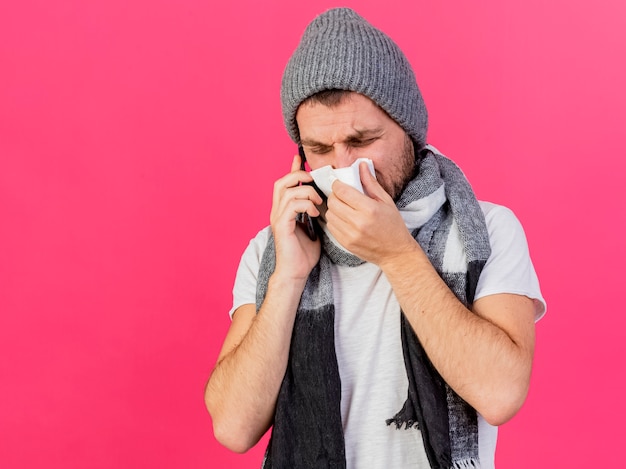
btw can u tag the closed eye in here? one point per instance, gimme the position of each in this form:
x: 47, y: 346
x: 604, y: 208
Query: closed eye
x: 357, y: 142
x: 319, y: 150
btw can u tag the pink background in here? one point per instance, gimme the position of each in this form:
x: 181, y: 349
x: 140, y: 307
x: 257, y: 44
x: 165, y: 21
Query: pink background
x: 139, y: 141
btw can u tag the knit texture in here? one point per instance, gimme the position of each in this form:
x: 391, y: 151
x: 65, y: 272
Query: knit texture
x: 341, y: 50
x: 450, y: 228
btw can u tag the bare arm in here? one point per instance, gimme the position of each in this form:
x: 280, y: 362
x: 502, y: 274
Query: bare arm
x: 242, y: 390
x: 484, y: 355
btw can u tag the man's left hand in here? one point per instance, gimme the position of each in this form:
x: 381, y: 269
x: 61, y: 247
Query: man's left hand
x: 368, y: 225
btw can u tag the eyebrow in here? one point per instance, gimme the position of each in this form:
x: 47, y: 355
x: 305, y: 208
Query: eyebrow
x: 355, y: 136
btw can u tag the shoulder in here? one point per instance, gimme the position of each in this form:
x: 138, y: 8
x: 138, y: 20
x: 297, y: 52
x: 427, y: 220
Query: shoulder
x: 251, y: 257
x: 244, y: 289
x: 503, y: 226
x: 495, y: 213
x: 258, y: 243
x: 509, y: 268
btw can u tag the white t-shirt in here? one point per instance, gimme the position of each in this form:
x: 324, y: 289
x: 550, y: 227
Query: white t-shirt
x: 369, y: 348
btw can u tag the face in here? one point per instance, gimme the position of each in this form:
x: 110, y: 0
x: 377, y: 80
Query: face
x: 357, y: 128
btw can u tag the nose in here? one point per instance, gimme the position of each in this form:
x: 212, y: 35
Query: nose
x: 344, y: 156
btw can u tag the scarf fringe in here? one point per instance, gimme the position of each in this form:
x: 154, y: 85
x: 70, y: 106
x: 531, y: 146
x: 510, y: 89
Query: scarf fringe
x: 466, y: 464
x: 406, y: 416
x: 399, y: 421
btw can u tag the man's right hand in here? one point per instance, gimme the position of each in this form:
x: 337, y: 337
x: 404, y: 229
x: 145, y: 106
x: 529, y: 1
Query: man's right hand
x: 296, y: 253
x: 244, y: 385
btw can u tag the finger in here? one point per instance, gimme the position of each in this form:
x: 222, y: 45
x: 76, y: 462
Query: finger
x: 340, y: 219
x: 370, y: 185
x: 298, y: 206
x: 302, y: 196
x: 339, y: 210
x: 296, y: 164
x: 348, y: 194
x: 290, y: 180
x: 304, y: 192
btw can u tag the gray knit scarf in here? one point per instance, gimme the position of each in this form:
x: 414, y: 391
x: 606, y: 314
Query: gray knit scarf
x: 446, y: 220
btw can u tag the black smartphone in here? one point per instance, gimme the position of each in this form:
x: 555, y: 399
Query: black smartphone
x: 310, y: 226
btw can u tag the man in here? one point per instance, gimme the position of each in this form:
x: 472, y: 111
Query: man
x: 404, y: 334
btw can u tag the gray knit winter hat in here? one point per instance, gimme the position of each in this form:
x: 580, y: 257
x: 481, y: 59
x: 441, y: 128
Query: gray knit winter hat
x: 341, y: 50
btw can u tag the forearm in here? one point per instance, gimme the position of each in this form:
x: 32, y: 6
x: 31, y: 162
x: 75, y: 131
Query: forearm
x: 242, y: 390
x: 485, y: 365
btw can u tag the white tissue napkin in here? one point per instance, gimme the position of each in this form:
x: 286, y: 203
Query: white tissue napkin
x: 326, y: 175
